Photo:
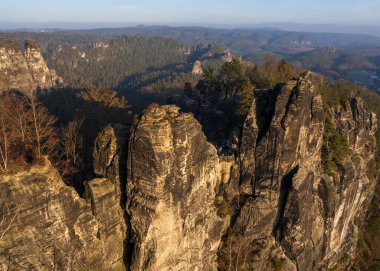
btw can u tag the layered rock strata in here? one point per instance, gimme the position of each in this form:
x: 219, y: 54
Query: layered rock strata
x: 24, y: 70
x: 110, y: 156
x: 172, y: 179
x: 45, y: 225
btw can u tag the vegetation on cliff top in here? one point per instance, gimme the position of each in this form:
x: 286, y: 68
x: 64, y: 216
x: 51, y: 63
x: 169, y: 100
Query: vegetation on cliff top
x: 62, y: 125
x: 335, y: 95
x: 335, y: 148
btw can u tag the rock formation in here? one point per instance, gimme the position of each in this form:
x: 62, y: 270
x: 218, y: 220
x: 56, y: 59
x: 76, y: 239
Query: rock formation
x: 172, y: 180
x: 347, y: 192
x: 112, y: 229
x: 45, y: 225
x: 228, y: 56
x: 110, y: 156
x: 197, y: 68
x: 25, y: 71
x: 296, y: 215
x: 368, y: 257
x: 278, y: 200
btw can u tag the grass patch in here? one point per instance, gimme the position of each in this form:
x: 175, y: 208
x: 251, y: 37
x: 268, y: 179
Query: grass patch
x: 224, y: 209
x: 278, y: 264
x: 336, y: 94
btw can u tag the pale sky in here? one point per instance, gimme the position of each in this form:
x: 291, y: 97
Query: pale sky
x: 196, y: 12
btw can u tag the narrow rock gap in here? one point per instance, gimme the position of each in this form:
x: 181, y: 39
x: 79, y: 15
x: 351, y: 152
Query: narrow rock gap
x: 286, y: 186
x: 265, y: 108
x: 288, y: 104
x: 123, y: 147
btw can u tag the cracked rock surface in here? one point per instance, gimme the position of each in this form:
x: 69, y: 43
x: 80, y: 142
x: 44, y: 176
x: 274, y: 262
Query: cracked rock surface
x: 24, y: 70
x: 296, y: 215
x: 47, y: 226
x: 172, y: 178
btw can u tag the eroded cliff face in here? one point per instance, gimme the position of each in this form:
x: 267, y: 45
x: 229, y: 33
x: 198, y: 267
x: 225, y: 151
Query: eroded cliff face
x: 24, y: 70
x: 279, y: 159
x: 45, y: 225
x: 172, y: 180
x: 346, y: 194
x: 294, y: 215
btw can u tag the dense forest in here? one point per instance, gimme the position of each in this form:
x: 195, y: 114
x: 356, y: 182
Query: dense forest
x: 106, y: 63
x: 172, y: 51
x: 133, y: 61
x: 353, y: 57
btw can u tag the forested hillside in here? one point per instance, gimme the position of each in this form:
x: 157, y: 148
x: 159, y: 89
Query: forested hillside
x: 353, y: 57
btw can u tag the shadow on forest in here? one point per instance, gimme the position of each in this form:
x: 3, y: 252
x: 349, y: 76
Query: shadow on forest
x: 68, y: 106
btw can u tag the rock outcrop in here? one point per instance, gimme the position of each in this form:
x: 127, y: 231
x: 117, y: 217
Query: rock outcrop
x: 368, y: 256
x: 228, y: 56
x: 293, y: 214
x: 112, y: 229
x: 45, y: 225
x: 347, y: 192
x: 110, y: 157
x: 287, y: 192
x: 24, y: 70
x: 197, y: 68
x: 277, y: 155
x: 172, y: 180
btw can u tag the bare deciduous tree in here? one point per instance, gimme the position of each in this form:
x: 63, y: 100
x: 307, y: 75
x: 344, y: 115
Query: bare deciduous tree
x: 25, y: 126
x: 71, y: 145
x: 3, y: 149
x: 8, y: 216
x: 8, y: 137
x: 43, y: 135
x: 19, y: 115
x: 4, y: 139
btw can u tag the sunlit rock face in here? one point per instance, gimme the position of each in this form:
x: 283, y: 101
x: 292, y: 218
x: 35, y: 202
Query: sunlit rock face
x: 26, y: 69
x: 197, y: 68
x: 172, y: 178
x: 112, y: 229
x: 294, y: 215
x: 45, y: 225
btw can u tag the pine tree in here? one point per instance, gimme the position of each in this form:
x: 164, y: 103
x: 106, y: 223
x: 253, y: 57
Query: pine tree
x: 188, y: 89
x: 246, y: 97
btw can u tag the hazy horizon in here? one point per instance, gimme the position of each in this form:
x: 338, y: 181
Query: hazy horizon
x: 25, y: 14
x: 284, y: 26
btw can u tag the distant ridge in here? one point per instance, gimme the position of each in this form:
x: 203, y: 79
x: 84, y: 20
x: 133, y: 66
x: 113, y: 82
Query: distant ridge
x: 260, y: 33
x: 285, y: 26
